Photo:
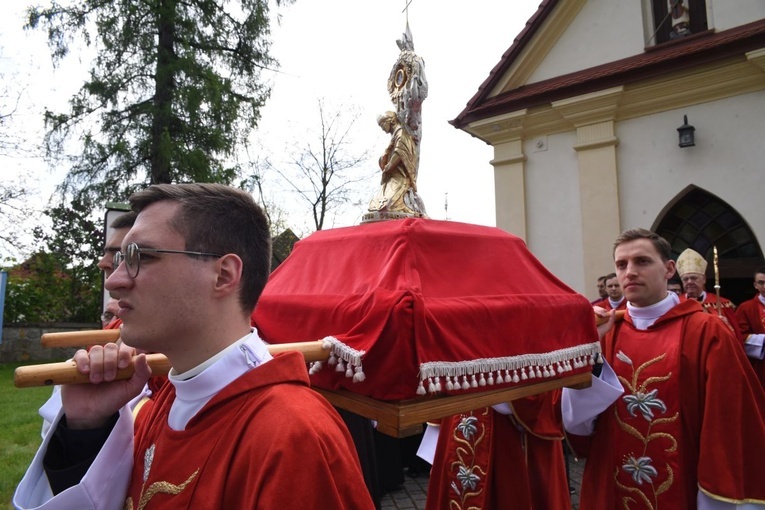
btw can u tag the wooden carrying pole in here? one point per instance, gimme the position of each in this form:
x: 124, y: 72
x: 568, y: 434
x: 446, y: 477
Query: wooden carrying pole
x: 66, y: 372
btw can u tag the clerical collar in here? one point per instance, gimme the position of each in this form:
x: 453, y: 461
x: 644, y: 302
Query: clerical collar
x: 762, y: 299
x: 615, y: 304
x: 195, y: 387
x: 644, y: 317
x: 702, y: 297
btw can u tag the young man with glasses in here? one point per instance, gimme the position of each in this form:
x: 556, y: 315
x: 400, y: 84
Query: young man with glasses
x: 751, y: 322
x: 236, y: 428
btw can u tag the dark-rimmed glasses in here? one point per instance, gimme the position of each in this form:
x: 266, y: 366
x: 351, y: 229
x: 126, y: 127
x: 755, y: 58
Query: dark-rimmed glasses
x: 132, y: 257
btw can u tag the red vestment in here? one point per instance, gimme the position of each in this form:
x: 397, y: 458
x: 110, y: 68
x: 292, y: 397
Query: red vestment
x: 605, y: 303
x: 751, y: 320
x: 115, y: 323
x: 692, y: 418
x: 266, y: 441
x: 486, y: 460
x: 727, y: 308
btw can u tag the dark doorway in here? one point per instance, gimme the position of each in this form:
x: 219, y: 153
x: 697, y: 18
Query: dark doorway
x: 699, y: 220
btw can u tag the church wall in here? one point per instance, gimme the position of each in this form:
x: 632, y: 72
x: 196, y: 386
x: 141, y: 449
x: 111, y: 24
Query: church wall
x: 724, y: 14
x: 596, y: 36
x: 553, y: 219
x: 727, y: 161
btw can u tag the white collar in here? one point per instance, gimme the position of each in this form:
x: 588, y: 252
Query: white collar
x: 195, y: 387
x: 644, y: 317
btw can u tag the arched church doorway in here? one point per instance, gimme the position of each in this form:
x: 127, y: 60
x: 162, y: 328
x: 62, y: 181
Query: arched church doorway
x: 699, y: 220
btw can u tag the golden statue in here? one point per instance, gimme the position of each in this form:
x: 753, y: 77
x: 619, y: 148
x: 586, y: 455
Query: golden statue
x: 408, y: 88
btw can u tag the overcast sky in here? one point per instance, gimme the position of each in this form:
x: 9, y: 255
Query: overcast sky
x: 341, y: 51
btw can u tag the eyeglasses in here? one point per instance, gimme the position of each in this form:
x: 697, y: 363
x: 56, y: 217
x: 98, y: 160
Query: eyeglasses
x: 759, y: 282
x: 107, y: 317
x: 132, y: 257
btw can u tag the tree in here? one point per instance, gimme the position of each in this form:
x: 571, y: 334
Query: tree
x: 322, y: 170
x: 13, y: 211
x: 174, y: 88
x: 14, y: 196
x: 60, y: 282
x: 278, y: 220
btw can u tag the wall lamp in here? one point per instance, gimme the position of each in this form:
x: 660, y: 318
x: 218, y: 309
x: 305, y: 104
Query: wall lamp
x: 686, y: 133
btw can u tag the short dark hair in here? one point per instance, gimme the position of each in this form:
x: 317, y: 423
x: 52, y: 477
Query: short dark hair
x: 661, y: 244
x: 759, y: 270
x: 126, y: 220
x: 609, y: 276
x: 215, y: 218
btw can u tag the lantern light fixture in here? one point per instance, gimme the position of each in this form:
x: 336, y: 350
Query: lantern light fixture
x: 686, y: 133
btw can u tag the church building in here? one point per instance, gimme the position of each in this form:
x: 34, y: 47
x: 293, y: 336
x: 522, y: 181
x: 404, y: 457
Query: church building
x: 610, y: 115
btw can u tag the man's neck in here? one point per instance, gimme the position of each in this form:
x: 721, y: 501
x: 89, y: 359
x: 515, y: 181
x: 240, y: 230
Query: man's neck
x: 200, y: 346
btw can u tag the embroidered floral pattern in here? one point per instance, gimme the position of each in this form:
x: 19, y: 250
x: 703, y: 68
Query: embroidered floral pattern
x: 467, y: 426
x: 161, y: 487
x: 642, y: 402
x: 469, y: 434
x: 148, y: 457
x: 640, y: 469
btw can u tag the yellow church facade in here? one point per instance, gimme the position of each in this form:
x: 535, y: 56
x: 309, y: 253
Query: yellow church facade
x: 585, y: 113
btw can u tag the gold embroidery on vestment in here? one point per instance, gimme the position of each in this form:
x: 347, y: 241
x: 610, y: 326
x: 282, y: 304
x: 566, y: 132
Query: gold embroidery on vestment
x: 465, y: 469
x: 159, y: 488
x: 641, y: 403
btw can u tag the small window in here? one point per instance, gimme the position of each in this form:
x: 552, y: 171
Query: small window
x: 675, y: 19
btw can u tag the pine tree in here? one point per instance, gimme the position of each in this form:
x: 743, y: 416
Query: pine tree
x: 174, y: 88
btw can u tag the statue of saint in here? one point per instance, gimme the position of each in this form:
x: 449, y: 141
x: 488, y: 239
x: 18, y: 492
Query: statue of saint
x: 408, y: 88
x: 680, y: 18
x: 398, y: 190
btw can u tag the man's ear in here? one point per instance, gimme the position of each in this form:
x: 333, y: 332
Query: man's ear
x: 229, y: 274
x: 670, y: 268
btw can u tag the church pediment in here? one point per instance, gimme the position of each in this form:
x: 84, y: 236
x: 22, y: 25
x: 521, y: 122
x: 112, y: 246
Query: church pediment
x: 560, y: 55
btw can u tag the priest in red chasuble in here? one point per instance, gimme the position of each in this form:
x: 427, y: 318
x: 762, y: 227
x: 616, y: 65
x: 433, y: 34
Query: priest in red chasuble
x: 675, y: 419
x: 234, y: 427
x: 692, y: 268
x: 500, y: 457
x: 751, y: 322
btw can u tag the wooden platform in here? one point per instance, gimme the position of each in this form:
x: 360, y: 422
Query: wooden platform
x: 404, y: 418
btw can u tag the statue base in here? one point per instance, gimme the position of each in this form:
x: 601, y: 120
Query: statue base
x: 375, y: 216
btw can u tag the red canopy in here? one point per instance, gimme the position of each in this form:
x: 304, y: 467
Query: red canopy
x: 417, y: 305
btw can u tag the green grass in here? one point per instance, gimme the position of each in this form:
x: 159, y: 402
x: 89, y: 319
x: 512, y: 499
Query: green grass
x: 19, y: 430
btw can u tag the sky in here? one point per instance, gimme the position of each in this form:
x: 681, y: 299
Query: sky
x: 340, y: 51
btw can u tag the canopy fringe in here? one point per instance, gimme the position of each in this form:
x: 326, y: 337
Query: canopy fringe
x: 436, y: 376
x: 489, y: 371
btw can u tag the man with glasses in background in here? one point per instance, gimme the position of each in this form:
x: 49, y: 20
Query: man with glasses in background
x: 236, y: 428
x: 113, y: 237
x: 751, y: 322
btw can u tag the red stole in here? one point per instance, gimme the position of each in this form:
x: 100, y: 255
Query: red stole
x: 489, y: 461
x: 646, y: 422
